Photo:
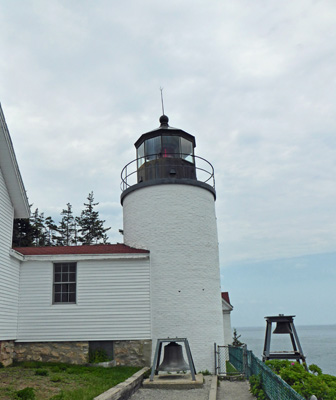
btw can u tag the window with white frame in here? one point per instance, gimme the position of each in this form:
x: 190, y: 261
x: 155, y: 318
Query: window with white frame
x: 64, y: 290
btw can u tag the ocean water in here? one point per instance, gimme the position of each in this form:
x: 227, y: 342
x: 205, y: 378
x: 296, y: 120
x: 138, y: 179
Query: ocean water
x: 318, y: 343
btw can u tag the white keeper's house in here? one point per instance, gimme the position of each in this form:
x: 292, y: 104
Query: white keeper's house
x: 57, y: 303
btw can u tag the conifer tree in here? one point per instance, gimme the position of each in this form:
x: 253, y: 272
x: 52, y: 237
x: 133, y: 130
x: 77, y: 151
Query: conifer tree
x: 39, y: 234
x: 67, y: 228
x: 50, y: 231
x: 22, y: 233
x: 236, y: 342
x: 92, y: 229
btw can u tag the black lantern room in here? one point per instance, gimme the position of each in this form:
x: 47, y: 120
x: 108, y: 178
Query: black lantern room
x: 164, y: 153
x: 165, y: 156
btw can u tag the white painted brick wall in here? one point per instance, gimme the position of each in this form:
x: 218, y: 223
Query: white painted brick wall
x: 177, y: 223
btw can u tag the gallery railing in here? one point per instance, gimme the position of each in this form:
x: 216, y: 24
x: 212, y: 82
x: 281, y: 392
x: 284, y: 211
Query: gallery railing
x: 179, y: 165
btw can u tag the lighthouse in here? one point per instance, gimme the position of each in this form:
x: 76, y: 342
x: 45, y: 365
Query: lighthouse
x: 168, y: 198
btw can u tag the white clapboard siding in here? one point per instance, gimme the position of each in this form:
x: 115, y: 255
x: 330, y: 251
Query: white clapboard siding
x: 9, y: 269
x: 113, y: 302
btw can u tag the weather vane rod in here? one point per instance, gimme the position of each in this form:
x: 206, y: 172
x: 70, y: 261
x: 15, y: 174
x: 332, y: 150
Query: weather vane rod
x: 161, y: 88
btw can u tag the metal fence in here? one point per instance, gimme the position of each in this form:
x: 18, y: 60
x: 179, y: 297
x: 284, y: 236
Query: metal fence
x: 248, y: 364
x: 223, y: 366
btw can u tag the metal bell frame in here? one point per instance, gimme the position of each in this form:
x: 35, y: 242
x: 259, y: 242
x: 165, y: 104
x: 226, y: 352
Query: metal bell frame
x: 157, y: 356
x: 282, y: 321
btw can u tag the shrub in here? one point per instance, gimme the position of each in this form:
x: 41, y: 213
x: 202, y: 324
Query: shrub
x: 323, y: 386
x: 26, y: 394
x: 59, y: 368
x: 56, y: 378
x: 315, y: 369
x: 59, y: 396
x: 205, y: 372
x: 98, y: 356
x: 256, y: 387
x: 42, y: 372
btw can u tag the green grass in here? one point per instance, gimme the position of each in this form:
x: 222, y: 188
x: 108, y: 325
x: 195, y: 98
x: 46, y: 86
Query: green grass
x: 230, y: 369
x: 62, y: 382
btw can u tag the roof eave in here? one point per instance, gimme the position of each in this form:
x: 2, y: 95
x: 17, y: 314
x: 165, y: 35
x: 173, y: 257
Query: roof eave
x: 165, y: 130
x: 11, y: 173
x: 226, y: 306
x: 80, y: 257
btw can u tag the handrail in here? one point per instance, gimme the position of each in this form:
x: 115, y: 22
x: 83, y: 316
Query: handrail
x: 131, y: 168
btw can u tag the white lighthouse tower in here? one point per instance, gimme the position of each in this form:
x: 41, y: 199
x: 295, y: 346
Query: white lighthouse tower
x: 168, y: 203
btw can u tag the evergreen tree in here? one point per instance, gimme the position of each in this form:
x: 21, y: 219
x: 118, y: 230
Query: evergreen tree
x: 92, y: 229
x: 22, y: 233
x: 236, y: 342
x: 50, y: 231
x: 38, y: 229
x: 67, y: 228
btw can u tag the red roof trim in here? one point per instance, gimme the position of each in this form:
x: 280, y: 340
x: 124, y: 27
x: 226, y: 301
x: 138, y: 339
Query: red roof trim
x: 225, y: 296
x: 93, y: 249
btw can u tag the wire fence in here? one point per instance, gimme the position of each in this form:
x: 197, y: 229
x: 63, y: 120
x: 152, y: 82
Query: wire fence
x: 248, y: 364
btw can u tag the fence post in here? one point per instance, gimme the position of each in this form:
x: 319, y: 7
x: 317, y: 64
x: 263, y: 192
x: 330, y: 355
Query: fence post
x: 215, y: 354
x: 245, y: 360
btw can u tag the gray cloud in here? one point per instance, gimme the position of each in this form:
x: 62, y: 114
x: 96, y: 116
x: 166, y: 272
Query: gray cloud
x: 254, y: 83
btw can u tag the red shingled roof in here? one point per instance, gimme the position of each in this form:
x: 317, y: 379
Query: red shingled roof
x: 93, y: 249
x: 225, y: 296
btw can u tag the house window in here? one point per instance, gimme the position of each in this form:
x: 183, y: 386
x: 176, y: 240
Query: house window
x: 65, y: 283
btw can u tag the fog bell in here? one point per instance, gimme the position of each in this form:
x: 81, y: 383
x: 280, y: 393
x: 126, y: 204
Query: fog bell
x: 282, y: 327
x: 173, y: 358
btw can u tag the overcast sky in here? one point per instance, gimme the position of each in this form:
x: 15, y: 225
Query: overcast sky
x: 254, y: 82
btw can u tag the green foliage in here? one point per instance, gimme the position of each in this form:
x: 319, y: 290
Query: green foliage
x: 1, y: 365
x: 35, y: 231
x: 59, y: 367
x: 42, y: 372
x: 236, y: 342
x: 26, y: 394
x: 59, y: 396
x: 91, y: 227
x: 77, y: 382
x: 205, y: 372
x: 43, y: 231
x: 256, y: 387
x: 22, y: 233
x: 30, y: 364
x: 321, y: 385
x: 67, y: 228
x: 98, y: 356
x: 56, y: 378
x: 277, y: 365
x: 315, y: 369
x: 39, y: 234
x: 50, y: 232
x: 230, y: 369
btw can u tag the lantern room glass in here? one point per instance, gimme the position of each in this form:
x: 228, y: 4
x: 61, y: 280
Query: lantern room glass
x: 187, y: 150
x: 166, y: 147
x: 141, y: 154
x: 152, y: 148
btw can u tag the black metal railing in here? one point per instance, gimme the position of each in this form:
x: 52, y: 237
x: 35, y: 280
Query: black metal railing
x: 191, y: 166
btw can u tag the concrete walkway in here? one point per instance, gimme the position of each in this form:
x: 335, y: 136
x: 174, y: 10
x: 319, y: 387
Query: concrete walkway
x: 173, y: 394
x: 227, y: 390
x: 234, y: 390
